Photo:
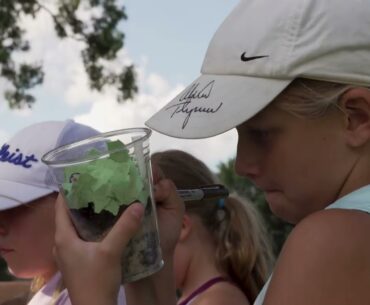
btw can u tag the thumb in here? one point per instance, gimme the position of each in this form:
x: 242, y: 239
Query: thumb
x: 124, y: 229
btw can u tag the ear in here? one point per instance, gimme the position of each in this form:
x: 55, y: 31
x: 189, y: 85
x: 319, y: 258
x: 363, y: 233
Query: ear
x: 186, y: 228
x: 356, y: 105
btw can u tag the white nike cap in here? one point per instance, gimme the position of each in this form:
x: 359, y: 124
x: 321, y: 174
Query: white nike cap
x: 23, y: 176
x: 261, y: 47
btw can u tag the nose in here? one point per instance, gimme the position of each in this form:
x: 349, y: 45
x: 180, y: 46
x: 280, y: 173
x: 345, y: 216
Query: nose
x: 248, y: 159
x: 3, y: 230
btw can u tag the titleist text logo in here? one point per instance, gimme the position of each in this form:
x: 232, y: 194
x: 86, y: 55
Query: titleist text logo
x: 16, y: 157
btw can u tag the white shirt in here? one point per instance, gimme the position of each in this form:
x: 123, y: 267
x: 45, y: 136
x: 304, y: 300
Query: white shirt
x: 45, y: 295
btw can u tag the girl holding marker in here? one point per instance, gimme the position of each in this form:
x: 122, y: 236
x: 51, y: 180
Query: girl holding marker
x: 293, y: 79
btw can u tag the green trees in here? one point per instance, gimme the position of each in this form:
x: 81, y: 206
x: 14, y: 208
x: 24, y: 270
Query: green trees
x: 99, y: 34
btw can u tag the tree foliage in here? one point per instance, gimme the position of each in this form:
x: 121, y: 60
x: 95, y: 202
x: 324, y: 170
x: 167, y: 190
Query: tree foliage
x: 100, y: 35
x: 277, y: 229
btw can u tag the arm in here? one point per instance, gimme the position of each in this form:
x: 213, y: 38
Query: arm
x: 324, y: 261
x: 159, y: 289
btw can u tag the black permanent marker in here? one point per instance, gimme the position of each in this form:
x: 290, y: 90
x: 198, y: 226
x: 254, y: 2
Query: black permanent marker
x: 213, y: 191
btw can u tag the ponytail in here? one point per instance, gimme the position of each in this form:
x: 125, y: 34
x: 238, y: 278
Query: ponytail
x: 243, y: 249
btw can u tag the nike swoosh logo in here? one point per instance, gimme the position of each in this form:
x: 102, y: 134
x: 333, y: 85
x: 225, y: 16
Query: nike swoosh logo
x: 245, y: 58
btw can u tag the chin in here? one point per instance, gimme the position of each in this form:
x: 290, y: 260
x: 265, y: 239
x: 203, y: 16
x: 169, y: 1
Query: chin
x: 18, y: 274
x: 279, y: 206
x: 21, y: 273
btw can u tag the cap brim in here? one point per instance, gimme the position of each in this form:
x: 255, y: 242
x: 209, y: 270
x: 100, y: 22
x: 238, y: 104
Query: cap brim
x: 13, y: 194
x: 214, y: 104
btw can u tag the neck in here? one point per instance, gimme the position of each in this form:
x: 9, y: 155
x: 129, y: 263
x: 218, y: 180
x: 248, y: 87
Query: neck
x: 201, y: 268
x: 358, y: 177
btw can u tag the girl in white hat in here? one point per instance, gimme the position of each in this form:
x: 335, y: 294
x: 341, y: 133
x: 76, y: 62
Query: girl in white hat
x: 27, y: 208
x: 293, y: 78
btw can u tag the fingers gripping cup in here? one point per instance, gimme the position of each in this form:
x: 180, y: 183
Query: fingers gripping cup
x: 99, y: 178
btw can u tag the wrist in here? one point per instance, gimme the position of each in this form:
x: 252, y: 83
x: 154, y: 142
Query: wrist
x: 157, y: 289
x: 96, y: 298
x: 94, y: 301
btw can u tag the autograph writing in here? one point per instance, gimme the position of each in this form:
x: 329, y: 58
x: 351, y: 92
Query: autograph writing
x: 194, y: 93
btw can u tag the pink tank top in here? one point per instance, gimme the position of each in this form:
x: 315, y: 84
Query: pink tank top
x: 201, y: 289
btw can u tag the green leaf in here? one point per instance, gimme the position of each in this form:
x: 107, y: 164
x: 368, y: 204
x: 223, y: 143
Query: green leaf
x: 108, y: 183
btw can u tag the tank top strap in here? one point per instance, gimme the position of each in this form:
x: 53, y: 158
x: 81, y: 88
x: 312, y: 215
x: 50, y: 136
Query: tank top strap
x: 203, y: 288
x: 357, y: 200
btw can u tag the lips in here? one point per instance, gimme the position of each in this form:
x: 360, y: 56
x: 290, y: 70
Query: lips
x: 266, y: 189
x: 270, y: 193
x: 270, y: 190
x: 5, y: 251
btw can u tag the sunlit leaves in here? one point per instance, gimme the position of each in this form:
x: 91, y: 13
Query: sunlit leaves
x: 100, y: 35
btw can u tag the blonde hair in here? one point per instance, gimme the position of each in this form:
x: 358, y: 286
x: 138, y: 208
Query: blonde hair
x: 316, y: 97
x: 243, y: 249
x: 38, y: 282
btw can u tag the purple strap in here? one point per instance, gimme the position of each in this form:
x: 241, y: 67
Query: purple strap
x: 202, y: 288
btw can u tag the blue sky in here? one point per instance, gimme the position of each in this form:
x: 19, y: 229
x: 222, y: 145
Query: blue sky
x: 166, y: 40
x: 173, y: 34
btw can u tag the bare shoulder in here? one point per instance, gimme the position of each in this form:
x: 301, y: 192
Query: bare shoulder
x: 325, y: 260
x: 330, y: 230
x: 222, y: 294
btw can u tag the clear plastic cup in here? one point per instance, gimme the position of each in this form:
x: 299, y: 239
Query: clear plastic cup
x: 99, y: 177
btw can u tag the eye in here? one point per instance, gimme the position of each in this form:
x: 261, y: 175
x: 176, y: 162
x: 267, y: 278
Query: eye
x: 260, y: 133
x: 260, y: 136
